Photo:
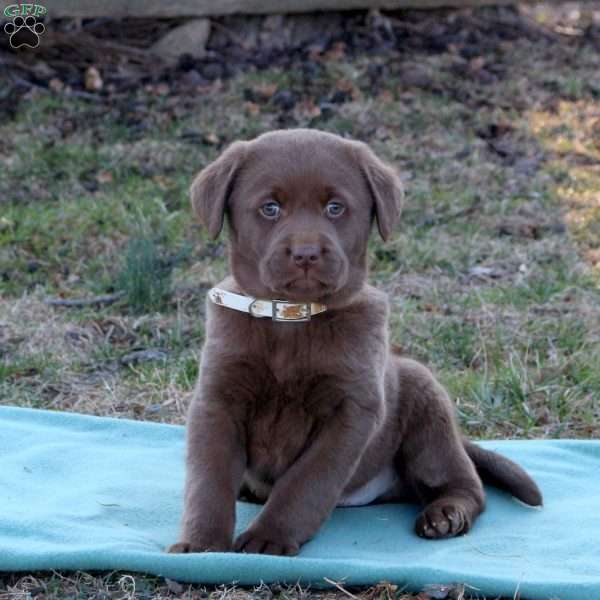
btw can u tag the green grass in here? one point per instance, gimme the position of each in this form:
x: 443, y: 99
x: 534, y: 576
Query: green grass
x: 145, y: 276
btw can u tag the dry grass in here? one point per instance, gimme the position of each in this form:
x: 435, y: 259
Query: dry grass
x: 115, y: 585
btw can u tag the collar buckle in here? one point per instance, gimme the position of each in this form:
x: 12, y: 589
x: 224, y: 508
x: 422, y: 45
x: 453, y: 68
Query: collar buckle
x: 284, y: 311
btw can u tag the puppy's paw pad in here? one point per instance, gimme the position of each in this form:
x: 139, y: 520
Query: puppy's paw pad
x: 437, y: 522
x: 253, y: 543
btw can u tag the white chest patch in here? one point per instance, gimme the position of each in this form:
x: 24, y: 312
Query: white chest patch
x: 379, y: 485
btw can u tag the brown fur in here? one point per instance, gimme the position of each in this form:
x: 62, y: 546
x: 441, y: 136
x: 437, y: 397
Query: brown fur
x: 301, y: 415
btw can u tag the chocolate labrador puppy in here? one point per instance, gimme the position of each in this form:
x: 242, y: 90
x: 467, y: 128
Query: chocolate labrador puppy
x: 312, y: 408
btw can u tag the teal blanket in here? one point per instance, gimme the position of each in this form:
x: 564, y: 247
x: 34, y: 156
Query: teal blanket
x: 80, y: 492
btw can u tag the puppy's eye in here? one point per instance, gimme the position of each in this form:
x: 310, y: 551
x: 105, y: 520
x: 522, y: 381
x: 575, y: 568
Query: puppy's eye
x: 334, y: 209
x: 270, y: 210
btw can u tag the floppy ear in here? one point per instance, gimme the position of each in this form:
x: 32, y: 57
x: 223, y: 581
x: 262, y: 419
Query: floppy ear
x: 213, y: 185
x: 385, y: 187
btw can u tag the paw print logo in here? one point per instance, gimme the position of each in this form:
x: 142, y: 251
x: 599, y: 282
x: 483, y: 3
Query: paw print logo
x: 24, y: 32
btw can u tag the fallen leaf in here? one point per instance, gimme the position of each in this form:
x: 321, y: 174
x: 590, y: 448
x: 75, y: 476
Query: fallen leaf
x: 593, y: 256
x: 56, y: 85
x: 252, y: 108
x: 162, y: 181
x: 6, y: 223
x: 477, y: 63
x: 307, y: 109
x: 93, y: 80
x: 162, y: 89
x: 265, y: 90
x: 346, y: 86
x: 104, y: 177
x: 211, y: 138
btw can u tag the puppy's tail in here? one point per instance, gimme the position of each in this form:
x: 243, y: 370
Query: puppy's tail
x: 494, y: 469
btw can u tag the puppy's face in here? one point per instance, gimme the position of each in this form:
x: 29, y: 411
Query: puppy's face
x: 300, y: 205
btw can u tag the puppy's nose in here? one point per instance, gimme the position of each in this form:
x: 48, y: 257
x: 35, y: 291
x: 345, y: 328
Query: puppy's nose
x: 305, y: 255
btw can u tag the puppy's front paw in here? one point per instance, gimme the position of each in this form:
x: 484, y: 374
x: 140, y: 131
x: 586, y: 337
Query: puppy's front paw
x: 442, y: 521
x: 189, y: 547
x: 257, y: 541
x: 180, y: 548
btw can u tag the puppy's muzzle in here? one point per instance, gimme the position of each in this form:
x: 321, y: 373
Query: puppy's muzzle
x: 307, y: 261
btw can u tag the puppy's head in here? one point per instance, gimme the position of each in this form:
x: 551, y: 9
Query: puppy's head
x: 300, y: 205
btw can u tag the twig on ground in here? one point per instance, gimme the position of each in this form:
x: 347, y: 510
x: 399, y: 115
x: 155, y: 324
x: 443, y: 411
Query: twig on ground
x: 341, y: 588
x: 74, y: 302
x: 457, y: 214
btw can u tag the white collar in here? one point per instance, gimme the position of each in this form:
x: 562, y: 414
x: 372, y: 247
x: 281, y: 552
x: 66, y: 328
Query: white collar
x: 278, y: 310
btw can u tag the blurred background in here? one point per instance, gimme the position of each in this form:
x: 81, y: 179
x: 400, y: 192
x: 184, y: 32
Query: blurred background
x: 491, y: 114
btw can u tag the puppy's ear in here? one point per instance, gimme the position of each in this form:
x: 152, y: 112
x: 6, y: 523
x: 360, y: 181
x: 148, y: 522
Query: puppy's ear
x: 213, y: 185
x: 385, y: 187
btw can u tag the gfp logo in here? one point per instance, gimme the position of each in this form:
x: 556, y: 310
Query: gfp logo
x: 24, y: 29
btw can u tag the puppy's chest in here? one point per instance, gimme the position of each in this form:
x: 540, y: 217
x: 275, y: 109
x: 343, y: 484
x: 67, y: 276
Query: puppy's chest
x: 297, y: 367
x: 282, y: 423
x: 293, y: 351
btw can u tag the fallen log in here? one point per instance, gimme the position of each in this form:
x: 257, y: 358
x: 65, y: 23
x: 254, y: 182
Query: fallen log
x: 207, y: 8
